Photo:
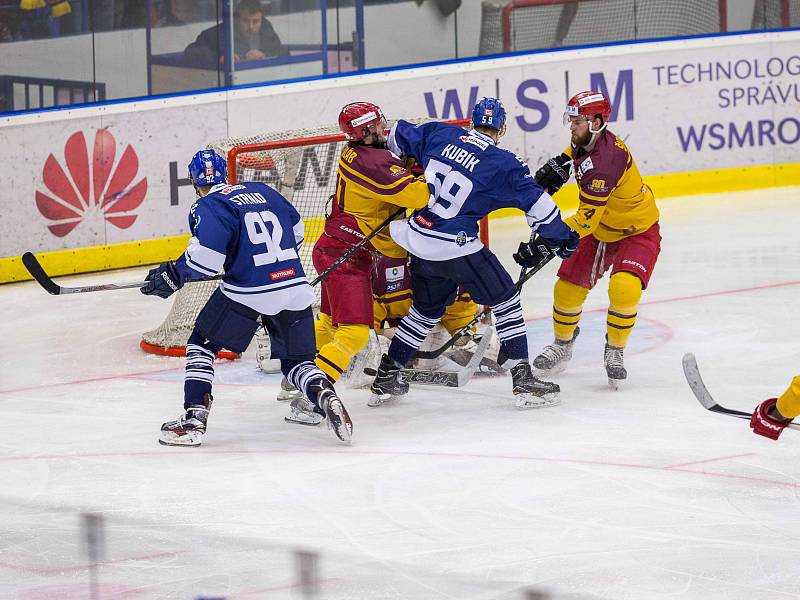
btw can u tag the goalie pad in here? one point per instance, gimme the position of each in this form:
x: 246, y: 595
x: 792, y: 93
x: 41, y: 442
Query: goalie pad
x: 263, y: 353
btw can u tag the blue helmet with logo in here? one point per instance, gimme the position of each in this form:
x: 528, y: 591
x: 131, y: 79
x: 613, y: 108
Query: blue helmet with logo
x: 489, y: 112
x: 208, y: 168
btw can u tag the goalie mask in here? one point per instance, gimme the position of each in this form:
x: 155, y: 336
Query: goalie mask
x: 586, y: 106
x: 357, y: 120
x: 208, y: 168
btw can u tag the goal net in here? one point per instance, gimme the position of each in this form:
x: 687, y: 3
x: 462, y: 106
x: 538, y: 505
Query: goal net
x: 301, y: 165
x: 514, y: 25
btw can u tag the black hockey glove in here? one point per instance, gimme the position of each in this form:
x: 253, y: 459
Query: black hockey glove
x: 532, y: 254
x: 565, y: 248
x: 554, y: 173
x: 163, y: 281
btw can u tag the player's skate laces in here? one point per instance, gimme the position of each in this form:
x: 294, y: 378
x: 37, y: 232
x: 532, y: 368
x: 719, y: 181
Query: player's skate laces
x: 388, y: 384
x: 555, y: 356
x: 303, y: 412
x: 615, y: 365
x: 338, y: 419
x: 288, y: 391
x: 531, y: 391
x: 188, y: 429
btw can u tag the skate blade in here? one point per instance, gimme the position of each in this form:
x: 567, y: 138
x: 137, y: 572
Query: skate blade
x: 544, y: 373
x: 285, y: 395
x: 526, y: 401
x: 380, y: 399
x: 303, y: 418
x: 339, y: 422
x: 190, y: 438
x: 615, y: 384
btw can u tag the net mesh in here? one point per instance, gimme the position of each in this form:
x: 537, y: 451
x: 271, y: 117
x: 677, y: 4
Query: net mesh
x: 776, y: 14
x: 305, y: 174
x: 540, y: 24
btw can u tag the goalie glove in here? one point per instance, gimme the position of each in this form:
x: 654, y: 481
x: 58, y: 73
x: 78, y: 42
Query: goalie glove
x: 554, y: 173
x: 163, y: 281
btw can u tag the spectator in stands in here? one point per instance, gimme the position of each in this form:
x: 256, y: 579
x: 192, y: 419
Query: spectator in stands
x: 41, y: 18
x: 103, y: 13
x: 253, y: 38
x: 7, y: 28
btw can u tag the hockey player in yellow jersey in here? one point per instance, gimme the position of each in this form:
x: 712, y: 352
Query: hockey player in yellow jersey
x: 617, y: 220
x: 772, y: 416
x: 371, y: 183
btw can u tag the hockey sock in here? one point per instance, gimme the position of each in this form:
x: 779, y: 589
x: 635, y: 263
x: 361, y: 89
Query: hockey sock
x: 789, y: 402
x: 199, y: 373
x: 334, y: 357
x: 624, y: 292
x: 323, y: 330
x: 304, y: 376
x: 568, y: 300
x: 410, y: 334
x: 510, y: 328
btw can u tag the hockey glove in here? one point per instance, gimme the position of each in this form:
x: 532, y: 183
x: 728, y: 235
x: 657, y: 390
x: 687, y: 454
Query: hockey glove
x: 554, y: 173
x: 163, y: 281
x: 765, y: 421
x: 532, y: 254
x: 566, y: 248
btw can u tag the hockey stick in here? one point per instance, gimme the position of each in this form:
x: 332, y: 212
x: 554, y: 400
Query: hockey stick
x: 457, y: 378
x: 358, y: 246
x: 692, y: 373
x: 464, y: 330
x: 36, y: 270
x: 43, y: 279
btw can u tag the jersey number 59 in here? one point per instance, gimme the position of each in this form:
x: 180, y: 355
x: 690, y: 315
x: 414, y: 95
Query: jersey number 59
x: 259, y: 233
x: 450, y: 189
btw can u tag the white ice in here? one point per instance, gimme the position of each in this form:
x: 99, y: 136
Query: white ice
x: 635, y: 494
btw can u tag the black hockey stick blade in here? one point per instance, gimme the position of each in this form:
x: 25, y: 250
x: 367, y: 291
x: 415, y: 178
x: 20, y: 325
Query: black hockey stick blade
x: 37, y: 272
x: 692, y: 373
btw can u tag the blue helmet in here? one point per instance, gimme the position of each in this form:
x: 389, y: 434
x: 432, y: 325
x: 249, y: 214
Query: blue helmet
x: 208, y: 168
x: 489, y: 112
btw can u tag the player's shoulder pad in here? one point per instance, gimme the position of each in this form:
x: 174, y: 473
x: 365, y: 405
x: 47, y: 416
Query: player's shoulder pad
x: 514, y: 161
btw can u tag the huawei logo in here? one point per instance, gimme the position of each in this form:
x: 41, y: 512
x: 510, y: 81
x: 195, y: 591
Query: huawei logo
x: 101, y: 187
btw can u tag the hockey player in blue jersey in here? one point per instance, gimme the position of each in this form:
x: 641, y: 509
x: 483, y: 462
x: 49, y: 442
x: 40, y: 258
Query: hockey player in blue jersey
x: 469, y: 177
x: 252, y: 233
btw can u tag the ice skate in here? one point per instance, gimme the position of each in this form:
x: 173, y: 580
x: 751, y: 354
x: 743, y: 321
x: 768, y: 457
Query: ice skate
x: 615, y: 366
x: 303, y: 412
x: 338, y: 419
x: 288, y: 391
x: 388, y: 385
x: 554, y: 357
x: 532, y: 392
x: 188, y: 429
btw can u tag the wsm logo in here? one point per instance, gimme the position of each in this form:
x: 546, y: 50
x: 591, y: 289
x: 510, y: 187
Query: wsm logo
x: 101, y: 187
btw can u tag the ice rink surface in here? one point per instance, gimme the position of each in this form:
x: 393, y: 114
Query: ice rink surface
x: 452, y: 493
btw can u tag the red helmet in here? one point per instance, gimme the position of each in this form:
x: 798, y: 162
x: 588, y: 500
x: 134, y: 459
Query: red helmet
x: 359, y: 119
x: 588, y: 105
